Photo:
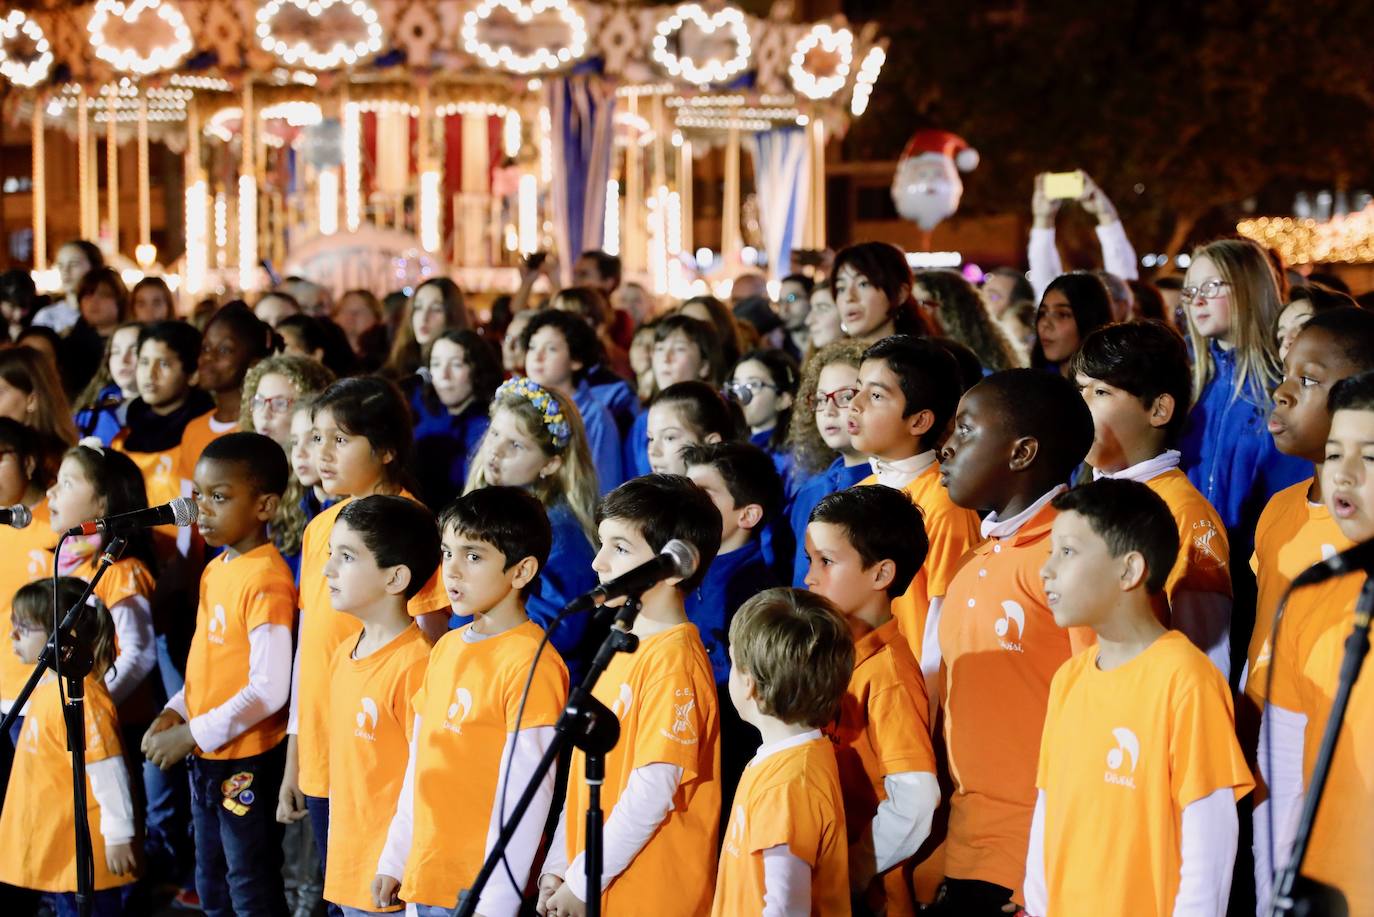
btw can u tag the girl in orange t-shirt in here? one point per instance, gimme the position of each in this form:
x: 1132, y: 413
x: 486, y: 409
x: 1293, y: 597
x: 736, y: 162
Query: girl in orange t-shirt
x: 362, y: 445
x: 38, y: 817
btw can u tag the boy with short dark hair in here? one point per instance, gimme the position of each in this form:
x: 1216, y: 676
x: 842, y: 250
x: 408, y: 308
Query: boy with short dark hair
x: 1149, y: 705
x: 382, y: 551
x: 908, y: 390
x: 493, y: 543
x: 1136, y: 380
x: 1306, y: 668
x: 865, y: 545
x: 791, y: 657
x: 1018, y: 435
x: 1296, y: 529
x: 662, y: 780
x: 231, y: 714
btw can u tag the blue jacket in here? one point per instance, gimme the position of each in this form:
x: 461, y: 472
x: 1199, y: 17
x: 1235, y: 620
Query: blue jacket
x: 444, y: 445
x: 782, y: 460
x: 635, y: 454
x: 107, y: 418
x: 567, y: 574
x: 730, y: 581
x: 603, y: 437
x: 1230, y: 457
x: 835, y: 478
x: 615, y: 393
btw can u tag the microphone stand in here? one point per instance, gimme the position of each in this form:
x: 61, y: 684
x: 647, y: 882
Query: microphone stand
x: 69, y: 654
x: 1356, y: 648
x: 588, y: 724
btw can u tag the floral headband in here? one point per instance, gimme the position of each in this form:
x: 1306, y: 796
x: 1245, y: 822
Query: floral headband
x: 550, y: 409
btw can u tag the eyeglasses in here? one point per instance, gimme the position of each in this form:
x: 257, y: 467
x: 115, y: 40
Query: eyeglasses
x: 277, y: 404
x: 739, y: 387
x: 1209, y: 290
x: 841, y: 398
x: 793, y: 297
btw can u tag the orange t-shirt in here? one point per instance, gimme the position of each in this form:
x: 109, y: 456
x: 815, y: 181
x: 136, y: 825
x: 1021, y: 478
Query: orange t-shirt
x: 236, y: 597
x: 1204, y: 553
x: 665, y: 696
x: 790, y: 797
x: 951, y: 531
x: 1306, y: 665
x: 37, y: 824
x: 467, y: 706
x: 126, y: 578
x: 322, y: 629
x: 1001, y: 648
x: 161, y: 474
x: 1124, y: 753
x: 370, y: 719
x: 25, y: 556
x: 1292, y: 534
x: 883, y: 728
x: 198, y: 434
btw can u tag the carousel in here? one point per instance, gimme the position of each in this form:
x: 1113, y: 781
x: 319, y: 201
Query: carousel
x: 372, y: 143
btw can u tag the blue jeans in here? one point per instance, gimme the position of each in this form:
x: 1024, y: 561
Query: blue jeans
x: 107, y: 903
x: 318, y: 807
x: 173, y: 678
x: 359, y: 912
x: 430, y: 910
x: 238, y: 838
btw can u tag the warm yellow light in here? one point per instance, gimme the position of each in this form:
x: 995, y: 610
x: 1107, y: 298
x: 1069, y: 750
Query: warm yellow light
x: 340, y: 53
x: 430, y: 236
x: 327, y: 188
x: 197, y: 247
x: 837, y: 42
x: 248, y: 233
x: 161, y: 57
x: 18, y: 72
x: 352, y: 166
x: 527, y: 215
x: 610, y: 242
x: 712, y: 70
x: 510, y: 134
x: 541, y: 59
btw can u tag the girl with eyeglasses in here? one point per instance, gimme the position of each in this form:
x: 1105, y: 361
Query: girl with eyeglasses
x: 765, y: 385
x: 1231, y: 298
x: 818, y: 435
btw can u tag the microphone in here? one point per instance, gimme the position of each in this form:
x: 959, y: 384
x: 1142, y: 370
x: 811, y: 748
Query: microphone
x: 180, y: 512
x: 678, y: 558
x: 1353, y: 560
x: 17, y: 516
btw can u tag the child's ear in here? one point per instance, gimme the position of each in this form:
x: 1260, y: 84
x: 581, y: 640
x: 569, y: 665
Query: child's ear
x: 920, y: 423
x: 30, y: 466
x: 1133, y: 571
x: 1162, y: 411
x: 883, y: 573
x: 748, y: 516
x: 397, y: 579
x: 268, y: 504
x: 711, y: 438
x: 1024, y: 450
x: 705, y: 371
x: 523, y: 572
x: 551, y: 467
x: 577, y: 366
x: 784, y: 401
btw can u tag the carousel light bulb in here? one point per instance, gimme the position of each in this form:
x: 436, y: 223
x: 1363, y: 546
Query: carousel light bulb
x: 713, y: 71
x: 837, y: 42
x: 145, y: 254
x: 340, y: 52
x: 197, y: 253
x: 159, y: 57
x: 510, y: 133
x: 17, y: 72
x: 540, y: 60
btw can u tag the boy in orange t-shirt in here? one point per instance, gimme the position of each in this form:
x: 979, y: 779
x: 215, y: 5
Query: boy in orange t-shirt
x: 1017, y: 436
x: 865, y: 544
x: 1136, y: 379
x: 466, y: 712
x: 231, y: 715
x: 791, y: 656
x: 908, y: 390
x: 382, y: 551
x: 1139, y: 754
x: 1296, y: 530
x: 1305, y: 666
x: 662, y: 780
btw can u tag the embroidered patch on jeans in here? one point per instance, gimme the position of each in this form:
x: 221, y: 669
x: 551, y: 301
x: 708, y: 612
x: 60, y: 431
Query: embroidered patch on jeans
x: 237, y: 796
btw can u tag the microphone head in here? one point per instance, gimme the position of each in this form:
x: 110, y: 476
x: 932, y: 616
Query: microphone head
x: 20, y: 517
x: 684, y: 555
x: 184, y: 511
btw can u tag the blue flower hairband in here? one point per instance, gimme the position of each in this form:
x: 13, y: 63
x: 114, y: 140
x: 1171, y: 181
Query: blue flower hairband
x: 549, y: 407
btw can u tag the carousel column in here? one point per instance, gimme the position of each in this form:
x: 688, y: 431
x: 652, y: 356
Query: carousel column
x: 633, y: 249
x: 684, y: 190
x: 83, y: 166
x: 474, y: 188
x: 431, y: 186
x: 40, y: 189
x: 112, y: 173
x: 731, y: 239
x: 197, y: 207
x: 145, y: 253
x: 352, y: 163
x: 248, y: 194
x: 815, y: 221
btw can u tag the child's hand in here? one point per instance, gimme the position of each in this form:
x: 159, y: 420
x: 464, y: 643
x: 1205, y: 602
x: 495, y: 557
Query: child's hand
x: 291, y: 801
x: 165, y: 720
x: 548, y: 884
x: 384, y: 887
x: 563, y: 903
x: 169, y: 746
x: 120, y: 858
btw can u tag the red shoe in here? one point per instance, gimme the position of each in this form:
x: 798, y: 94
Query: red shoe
x: 186, y: 900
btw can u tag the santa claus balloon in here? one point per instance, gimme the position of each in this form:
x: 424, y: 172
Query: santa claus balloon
x: 927, y: 187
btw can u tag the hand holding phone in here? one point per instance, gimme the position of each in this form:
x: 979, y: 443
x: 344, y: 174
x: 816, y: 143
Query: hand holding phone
x: 1064, y: 186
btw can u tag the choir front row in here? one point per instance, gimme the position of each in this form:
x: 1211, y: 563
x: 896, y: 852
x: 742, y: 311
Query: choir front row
x: 1092, y: 754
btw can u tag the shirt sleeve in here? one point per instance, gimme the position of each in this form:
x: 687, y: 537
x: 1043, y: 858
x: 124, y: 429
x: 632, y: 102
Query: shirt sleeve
x: 673, y: 721
x: 1035, y: 890
x: 1118, y: 255
x: 786, y: 883
x: 1043, y: 257
x: 1203, y: 748
x: 646, y: 802
x: 1205, y: 617
x: 133, y: 621
x: 110, y: 787
x: 269, y: 684
x: 930, y: 643
x: 396, y: 848
x: 1208, y: 843
x: 1282, y: 738
x: 902, y: 822
x: 293, y: 717
x: 556, y: 862
x: 499, y: 898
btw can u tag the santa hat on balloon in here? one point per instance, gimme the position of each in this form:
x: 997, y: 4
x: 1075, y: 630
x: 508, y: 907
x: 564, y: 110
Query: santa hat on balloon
x: 943, y: 144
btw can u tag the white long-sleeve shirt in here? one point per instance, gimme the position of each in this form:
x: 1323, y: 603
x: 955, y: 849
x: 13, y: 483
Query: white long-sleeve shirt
x: 269, y: 684
x: 110, y: 787
x: 1282, y: 738
x: 499, y: 898
x: 1207, y: 846
x: 1118, y: 255
x: 133, y: 621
